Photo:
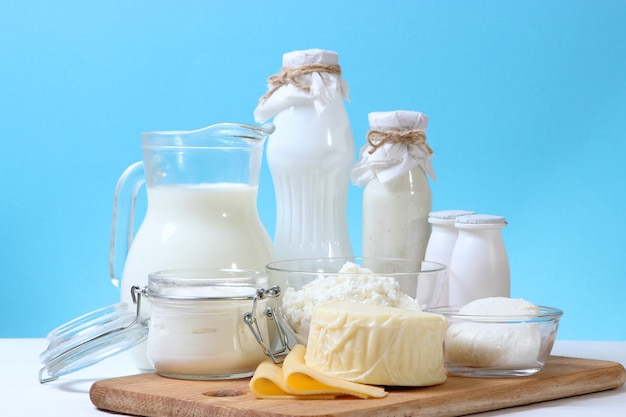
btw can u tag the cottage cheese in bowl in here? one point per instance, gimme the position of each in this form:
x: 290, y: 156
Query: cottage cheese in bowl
x: 397, y: 283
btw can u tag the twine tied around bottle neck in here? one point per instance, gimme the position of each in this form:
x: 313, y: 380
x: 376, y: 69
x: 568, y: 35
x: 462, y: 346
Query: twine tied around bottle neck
x: 377, y: 138
x: 289, y: 75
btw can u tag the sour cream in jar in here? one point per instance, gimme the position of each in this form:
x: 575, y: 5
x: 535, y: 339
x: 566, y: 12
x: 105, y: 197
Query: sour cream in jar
x: 197, y: 329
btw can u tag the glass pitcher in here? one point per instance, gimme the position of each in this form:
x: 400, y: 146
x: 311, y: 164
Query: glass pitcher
x: 201, y: 188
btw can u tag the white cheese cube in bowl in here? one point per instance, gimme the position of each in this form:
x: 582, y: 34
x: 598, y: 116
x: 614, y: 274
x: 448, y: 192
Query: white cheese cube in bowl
x: 498, y: 337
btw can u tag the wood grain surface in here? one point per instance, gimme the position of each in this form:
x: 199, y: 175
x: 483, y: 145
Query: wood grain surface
x: 156, y: 396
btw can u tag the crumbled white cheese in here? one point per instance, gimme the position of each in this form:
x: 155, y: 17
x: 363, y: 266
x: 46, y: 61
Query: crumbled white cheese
x: 352, y: 283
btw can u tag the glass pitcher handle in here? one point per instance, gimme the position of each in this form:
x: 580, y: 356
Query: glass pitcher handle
x: 124, y: 204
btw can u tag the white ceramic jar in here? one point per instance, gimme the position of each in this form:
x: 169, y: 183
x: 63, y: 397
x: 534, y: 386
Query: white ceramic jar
x: 442, y: 239
x: 397, y: 197
x: 479, y: 264
x: 310, y: 155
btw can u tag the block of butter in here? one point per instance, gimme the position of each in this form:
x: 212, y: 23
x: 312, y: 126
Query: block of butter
x: 377, y: 345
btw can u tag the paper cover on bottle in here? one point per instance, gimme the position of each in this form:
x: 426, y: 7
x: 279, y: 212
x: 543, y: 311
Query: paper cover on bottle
x: 392, y: 160
x: 322, y: 86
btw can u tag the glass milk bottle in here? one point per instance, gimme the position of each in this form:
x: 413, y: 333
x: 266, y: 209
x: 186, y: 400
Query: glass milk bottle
x: 310, y: 155
x: 479, y: 265
x: 442, y: 239
x: 397, y: 196
x: 201, y: 207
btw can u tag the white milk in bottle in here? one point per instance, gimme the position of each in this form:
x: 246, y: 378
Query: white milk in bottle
x: 310, y: 155
x: 397, y: 196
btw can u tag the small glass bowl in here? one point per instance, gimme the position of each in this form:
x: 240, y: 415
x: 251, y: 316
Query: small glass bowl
x: 498, y: 346
x: 423, y: 281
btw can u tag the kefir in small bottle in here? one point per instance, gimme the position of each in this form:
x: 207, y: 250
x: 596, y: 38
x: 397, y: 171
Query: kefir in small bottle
x: 310, y: 155
x: 442, y: 239
x: 397, y: 197
x: 479, y: 265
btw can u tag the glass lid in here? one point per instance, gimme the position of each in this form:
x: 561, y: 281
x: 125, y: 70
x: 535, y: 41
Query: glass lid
x: 92, y: 337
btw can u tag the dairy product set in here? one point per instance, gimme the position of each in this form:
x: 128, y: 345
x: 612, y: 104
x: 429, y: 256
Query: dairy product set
x: 396, y: 197
x: 197, y: 253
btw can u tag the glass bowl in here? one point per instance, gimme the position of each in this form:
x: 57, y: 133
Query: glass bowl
x: 404, y: 283
x: 498, y: 346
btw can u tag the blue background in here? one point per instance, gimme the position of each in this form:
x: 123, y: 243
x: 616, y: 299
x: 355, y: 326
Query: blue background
x: 526, y: 99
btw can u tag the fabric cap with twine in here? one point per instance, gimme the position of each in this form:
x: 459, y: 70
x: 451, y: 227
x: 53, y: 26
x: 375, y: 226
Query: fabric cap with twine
x: 311, y: 73
x: 396, y: 143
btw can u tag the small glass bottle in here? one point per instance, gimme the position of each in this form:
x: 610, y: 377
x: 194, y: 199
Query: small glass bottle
x: 479, y: 265
x: 310, y: 155
x: 397, y: 196
x: 442, y: 239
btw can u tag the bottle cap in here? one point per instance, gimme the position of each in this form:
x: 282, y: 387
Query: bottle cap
x: 310, y: 56
x: 447, y: 216
x: 481, y: 219
x: 396, y: 143
x: 399, y: 119
x: 311, y: 75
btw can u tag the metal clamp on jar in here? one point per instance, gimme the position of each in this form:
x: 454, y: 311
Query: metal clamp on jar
x: 277, y: 354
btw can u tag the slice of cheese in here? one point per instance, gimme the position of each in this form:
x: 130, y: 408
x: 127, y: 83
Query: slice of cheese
x: 302, y: 379
x: 295, y: 380
x: 377, y: 345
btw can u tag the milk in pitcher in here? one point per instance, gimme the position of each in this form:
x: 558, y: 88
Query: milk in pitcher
x: 201, y: 187
x: 188, y: 226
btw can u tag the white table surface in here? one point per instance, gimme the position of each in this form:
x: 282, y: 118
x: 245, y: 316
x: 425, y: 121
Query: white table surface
x: 21, y: 394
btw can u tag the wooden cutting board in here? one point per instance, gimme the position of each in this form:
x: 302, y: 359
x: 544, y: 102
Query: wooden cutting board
x: 155, y: 396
